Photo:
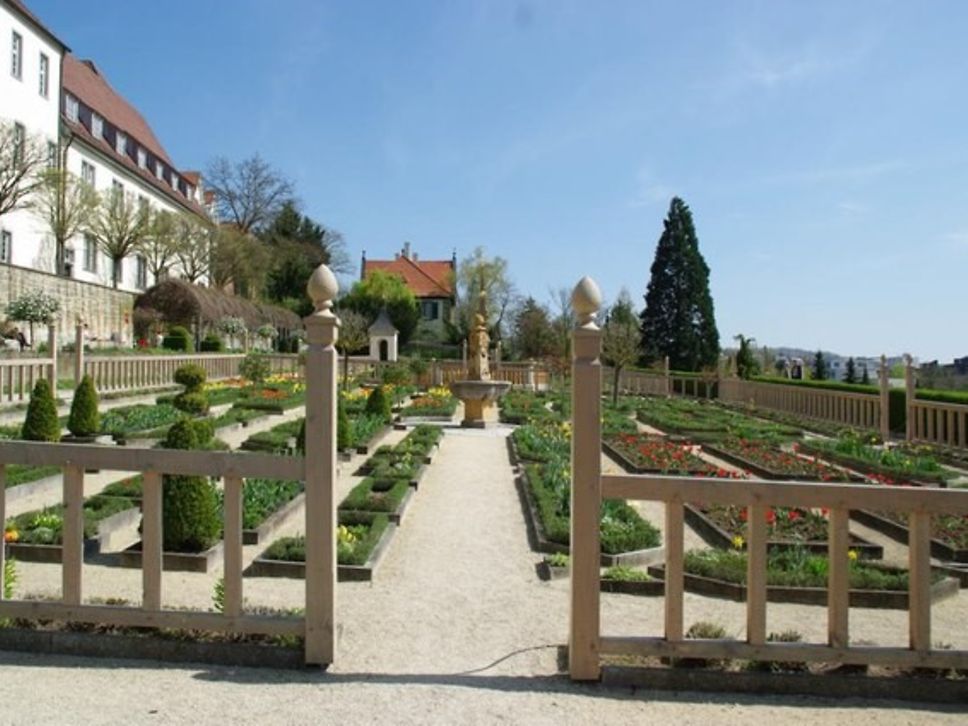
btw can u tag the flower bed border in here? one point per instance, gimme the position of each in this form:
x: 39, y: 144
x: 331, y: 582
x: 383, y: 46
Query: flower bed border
x: 900, y: 533
x: 632, y: 468
x: 647, y: 556
x: 717, y: 537
x: 262, y: 567
x: 862, y: 466
x: 107, y: 528
x: 875, y: 599
x: 396, y: 516
x: 651, y: 588
x: 764, y: 473
x: 274, y: 521
x: 175, y: 561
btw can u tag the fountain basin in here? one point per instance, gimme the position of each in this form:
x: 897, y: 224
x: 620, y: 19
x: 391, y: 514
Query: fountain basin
x: 479, y: 398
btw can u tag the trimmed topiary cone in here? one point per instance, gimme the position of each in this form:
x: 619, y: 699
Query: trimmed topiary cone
x: 84, y: 419
x: 41, y: 423
x: 191, y: 520
x: 378, y: 404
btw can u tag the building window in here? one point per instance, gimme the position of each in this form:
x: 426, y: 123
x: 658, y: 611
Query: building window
x: 189, y: 191
x: 51, y: 155
x: 117, y: 190
x: 6, y: 243
x: 87, y: 173
x: 73, y: 108
x: 90, y: 253
x: 142, y: 158
x: 16, y: 56
x: 429, y: 309
x: 159, y: 170
x: 19, y: 138
x: 121, y: 143
x: 44, y: 75
x: 97, y: 126
x: 141, y: 270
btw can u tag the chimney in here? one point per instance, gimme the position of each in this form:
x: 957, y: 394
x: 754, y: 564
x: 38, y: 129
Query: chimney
x: 406, y: 250
x: 414, y: 256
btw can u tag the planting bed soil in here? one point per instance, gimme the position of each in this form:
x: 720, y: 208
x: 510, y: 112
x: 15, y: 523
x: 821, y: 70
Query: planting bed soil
x: 950, y: 534
x: 770, y: 462
x: 725, y: 526
x: 362, y: 542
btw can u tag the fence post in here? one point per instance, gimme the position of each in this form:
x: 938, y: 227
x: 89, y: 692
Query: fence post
x: 909, y: 397
x: 52, y: 349
x: 586, y: 470
x: 78, y: 352
x: 322, y: 328
x: 668, y: 379
x: 885, y: 400
x: 532, y: 385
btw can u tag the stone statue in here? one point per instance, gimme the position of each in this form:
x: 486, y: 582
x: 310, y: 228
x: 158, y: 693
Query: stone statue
x: 479, y: 340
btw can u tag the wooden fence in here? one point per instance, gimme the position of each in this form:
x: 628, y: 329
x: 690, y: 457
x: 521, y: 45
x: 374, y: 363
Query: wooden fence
x: 318, y: 469
x: 588, y: 487
x: 18, y: 376
x: 533, y: 376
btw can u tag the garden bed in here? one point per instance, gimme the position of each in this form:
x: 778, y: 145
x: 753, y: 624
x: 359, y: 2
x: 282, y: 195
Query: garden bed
x: 770, y: 462
x: 357, y: 560
x: 880, y: 473
x: 203, y: 562
x: 383, y: 496
x: 266, y: 505
x: 644, y: 454
x: 895, y: 527
x: 644, y: 584
x: 725, y: 526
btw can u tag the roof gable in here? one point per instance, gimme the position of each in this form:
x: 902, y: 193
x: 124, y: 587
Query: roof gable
x: 426, y: 278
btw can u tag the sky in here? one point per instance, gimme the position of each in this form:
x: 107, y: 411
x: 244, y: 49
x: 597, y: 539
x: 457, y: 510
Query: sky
x: 822, y: 146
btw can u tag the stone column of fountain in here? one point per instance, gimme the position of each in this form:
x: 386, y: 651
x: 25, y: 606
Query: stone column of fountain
x: 479, y: 393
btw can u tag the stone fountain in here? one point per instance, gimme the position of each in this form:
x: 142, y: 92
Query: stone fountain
x: 479, y: 393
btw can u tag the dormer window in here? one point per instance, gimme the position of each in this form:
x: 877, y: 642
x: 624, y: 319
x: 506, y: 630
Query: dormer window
x: 159, y: 170
x: 121, y: 143
x: 174, y: 181
x: 72, y: 107
x: 189, y: 191
x: 142, y: 158
x: 97, y: 126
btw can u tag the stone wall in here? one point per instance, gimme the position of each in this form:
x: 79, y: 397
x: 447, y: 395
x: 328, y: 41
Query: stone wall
x: 106, y: 311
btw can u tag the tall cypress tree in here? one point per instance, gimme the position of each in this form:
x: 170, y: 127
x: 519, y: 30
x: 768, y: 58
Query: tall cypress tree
x: 678, y: 320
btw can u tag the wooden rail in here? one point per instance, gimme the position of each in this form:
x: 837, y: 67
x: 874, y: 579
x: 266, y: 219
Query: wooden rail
x: 945, y: 424
x: 18, y: 376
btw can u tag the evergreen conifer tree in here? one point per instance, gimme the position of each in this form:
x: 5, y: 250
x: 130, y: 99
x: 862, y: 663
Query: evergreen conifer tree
x: 678, y: 319
x: 83, y: 420
x: 850, y: 373
x: 819, y: 367
x: 865, y: 377
x: 41, y: 422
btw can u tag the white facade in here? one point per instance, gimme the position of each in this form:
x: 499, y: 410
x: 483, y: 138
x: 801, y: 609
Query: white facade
x: 22, y: 101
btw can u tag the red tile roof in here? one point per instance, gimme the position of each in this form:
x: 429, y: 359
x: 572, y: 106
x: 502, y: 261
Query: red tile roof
x: 427, y: 278
x: 84, y: 81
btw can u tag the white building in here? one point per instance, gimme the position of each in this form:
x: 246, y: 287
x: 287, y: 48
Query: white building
x: 30, y: 83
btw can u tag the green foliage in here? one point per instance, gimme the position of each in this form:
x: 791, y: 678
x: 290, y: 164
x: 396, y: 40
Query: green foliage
x: 195, y: 404
x: 84, y: 418
x: 397, y: 374
x: 211, y: 344
x: 255, y: 368
x: 376, y: 495
x: 139, y: 417
x: 262, y: 497
x: 178, y: 339
x: 532, y: 334
x: 9, y: 578
x: 344, y: 433
x: 820, y: 372
x: 558, y: 559
x: 34, y: 307
x: 193, y: 400
x: 378, y: 404
x: 746, y: 364
x: 218, y: 595
x: 678, y: 320
x: 191, y: 376
x: 41, y: 423
x: 379, y: 290
x: 191, y: 517
x: 357, y: 535
x: 189, y: 434
x: 850, y: 371
x: 624, y: 573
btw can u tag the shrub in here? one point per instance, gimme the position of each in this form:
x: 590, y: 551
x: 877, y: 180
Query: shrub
x: 344, y: 433
x: 254, y: 367
x: 193, y: 400
x: 378, y: 404
x: 84, y: 419
x: 397, y: 374
x: 191, y: 518
x: 211, y: 344
x: 178, y: 338
x: 195, y: 403
x: 702, y: 630
x: 41, y: 423
x: 191, y: 376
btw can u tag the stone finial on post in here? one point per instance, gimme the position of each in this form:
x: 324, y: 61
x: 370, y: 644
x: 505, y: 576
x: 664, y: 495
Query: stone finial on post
x: 586, y: 400
x: 78, y: 351
x: 909, y: 397
x: 322, y: 330
x: 885, y: 382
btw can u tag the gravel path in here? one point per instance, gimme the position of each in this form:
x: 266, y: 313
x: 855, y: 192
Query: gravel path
x: 456, y: 628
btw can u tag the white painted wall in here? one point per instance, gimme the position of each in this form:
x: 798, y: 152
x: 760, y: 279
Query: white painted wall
x: 21, y: 101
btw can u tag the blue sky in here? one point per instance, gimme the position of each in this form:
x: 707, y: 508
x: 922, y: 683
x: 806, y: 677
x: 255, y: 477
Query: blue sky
x: 822, y: 146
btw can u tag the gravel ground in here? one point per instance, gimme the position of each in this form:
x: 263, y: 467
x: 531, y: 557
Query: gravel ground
x: 456, y: 628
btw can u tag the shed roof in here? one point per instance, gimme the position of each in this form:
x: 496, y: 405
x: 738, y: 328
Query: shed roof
x: 382, y: 325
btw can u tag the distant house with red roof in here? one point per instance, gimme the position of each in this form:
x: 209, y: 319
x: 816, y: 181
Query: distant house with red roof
x: 433, y: 283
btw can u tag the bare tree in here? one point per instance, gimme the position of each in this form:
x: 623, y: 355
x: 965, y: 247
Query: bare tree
x: 240, y: 260
x: 67, y: 205
x: 621, y: 338
x: 119, y: 227
x: 249, y: 193
x: 22, y: 158
x: 562, y: 324
x: 159, y: 246
x: 479, y: 272
x: 193, y: 247
x: 353, y: 335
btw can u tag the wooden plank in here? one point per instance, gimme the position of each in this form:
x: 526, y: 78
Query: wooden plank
x: 780, y: 493
x: 167, y: 461
x: 72, y: 535
x: 838, y: 578
x: 919, y: 580
x: 674, y: 546
x: 135, y: 617
x: 152, y: 556
x: 739, y: 650
x: 233, y: 546
x: 756, y: 574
